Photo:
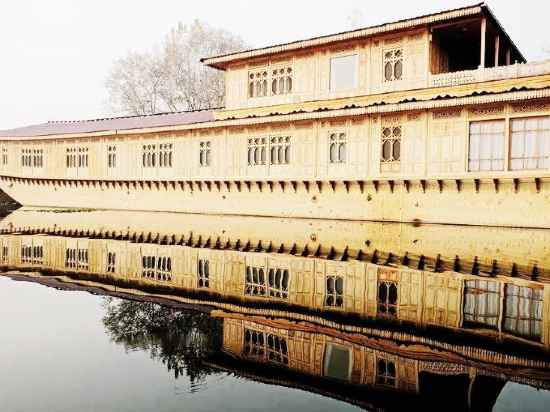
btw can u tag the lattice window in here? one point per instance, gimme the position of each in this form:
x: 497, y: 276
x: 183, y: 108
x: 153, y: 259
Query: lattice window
x: 386, y: 372
x: 266, y: 347
x: 278, y: 280
x: 334, y: 291
x: 486, y: 151
x: 38, y: 158
x: 149, y: 156
x: 482, y: 302
x: 204, y: 154
x: 279, y: 150
x: 111, y: 157
x: 255, y: 282
x: 203, y: 273
x: 337, y: 147
x: 281, y: 80
x: 391, y: 144
x: 26, y: 157
x: 165, y: 155
x: 523, y: 310
x: 530, y: 146
x: 4, y: 156
x: 257, y: 151
x: 156, y: 268
x: 83, y: 157
x: 393, y: 65
x: 257, y: 83
x: 111, y: 262
x: 71, y: 157
x: 387, y: 298
x: 76, y: 258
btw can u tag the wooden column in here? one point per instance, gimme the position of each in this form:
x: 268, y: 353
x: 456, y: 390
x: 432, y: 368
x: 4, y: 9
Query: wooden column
x: 497, y: 49
x: 483, y: 41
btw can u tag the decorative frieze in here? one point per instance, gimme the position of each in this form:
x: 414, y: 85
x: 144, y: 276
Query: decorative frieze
x: 447, y: 114
x: 487, y: 111
x: 537, y: 106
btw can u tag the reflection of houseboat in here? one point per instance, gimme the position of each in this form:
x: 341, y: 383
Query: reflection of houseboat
x: 497, y: 305
x: 436, y: 118
x: 365, y: 366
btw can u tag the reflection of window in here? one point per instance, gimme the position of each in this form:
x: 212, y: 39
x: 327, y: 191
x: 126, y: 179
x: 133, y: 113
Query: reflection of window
x: 334, y: 293
x: 337, y: 362
x: 5, y: 254
x: 203, y: 271
x: 393, y: 65
x: 343, y: 73
x: 272, y: 348
x: 111, y: 262
x: 278, y: 283
x: 32, y: 254
x: 387, y: 298
x: 156, y: 268
x: 391, y: 144
x: 523, y: 310
x: 482, y: 302
x: 337, y: 147
x: 385, y: 372
x: 486, y: 150
x: 255, y: 281
x: 530, y: 143
x: 76, y: 258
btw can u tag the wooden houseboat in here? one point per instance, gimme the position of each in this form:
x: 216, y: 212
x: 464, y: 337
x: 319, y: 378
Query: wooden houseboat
x: 437, y: 118
x: 289, y: 269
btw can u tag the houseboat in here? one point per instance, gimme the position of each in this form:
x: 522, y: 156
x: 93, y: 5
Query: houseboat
x: 432, y: 119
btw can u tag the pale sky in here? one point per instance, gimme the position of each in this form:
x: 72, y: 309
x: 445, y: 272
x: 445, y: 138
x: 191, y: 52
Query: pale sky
x: 56, y: 54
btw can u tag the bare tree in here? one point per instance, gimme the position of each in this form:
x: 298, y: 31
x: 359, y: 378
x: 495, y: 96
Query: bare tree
x: 172, y: 79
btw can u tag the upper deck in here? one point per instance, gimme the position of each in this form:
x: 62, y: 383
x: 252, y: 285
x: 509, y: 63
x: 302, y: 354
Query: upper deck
x: 441, y: 50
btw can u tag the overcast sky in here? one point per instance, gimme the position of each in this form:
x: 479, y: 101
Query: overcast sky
x: 55, y: 54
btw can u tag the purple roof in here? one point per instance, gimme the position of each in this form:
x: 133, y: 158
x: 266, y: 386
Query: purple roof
x: 114, y: 123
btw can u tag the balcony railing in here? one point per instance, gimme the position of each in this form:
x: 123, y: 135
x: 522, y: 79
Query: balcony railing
x: 489, y: 74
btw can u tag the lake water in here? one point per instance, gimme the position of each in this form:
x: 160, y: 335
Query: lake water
x: 116, y: 311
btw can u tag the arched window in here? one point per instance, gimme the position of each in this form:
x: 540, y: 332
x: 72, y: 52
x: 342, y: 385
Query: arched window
x: 342, y: 152
x: 256, y: 155
x: 281, y: 154
x: 274, y: 155
x: 262, y: 160
x: 333, y: 153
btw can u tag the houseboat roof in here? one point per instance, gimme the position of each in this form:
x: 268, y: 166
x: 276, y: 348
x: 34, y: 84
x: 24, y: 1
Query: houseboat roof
x: 480, y: 9
x: 110, y: 124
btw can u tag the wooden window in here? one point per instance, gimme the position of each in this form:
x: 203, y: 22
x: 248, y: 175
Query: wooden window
x: 279, y: 150
x: 4, y: 156
x: 203, y: 273
x: 255, y: 282
x: 337, y: 147
x: 337, y: 362
x: 386, y: 372
x: 482, y: 302
x: 165, y: 155
x: 111, y: 262
x: 343, y: 73
x: 83, y: 157
x: 523, y: 311
x: 149, y: 156
x: 486, y: 150
x: 334, y: 291
x: 281, y: 80
x: 156, y: 268
x: 71, y: 157
x: 111, y: 157
x: 278, y: 280
x: 257, y: 151
x: 391, y: 144
x: 530, y: 144
x: 266, y: 347
x: 387, y: 298
x: 257, y: 83
x: 204, y: 154
x: 393, y: 65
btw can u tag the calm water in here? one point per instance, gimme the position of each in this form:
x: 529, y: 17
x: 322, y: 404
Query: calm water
x: 71, y: 350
